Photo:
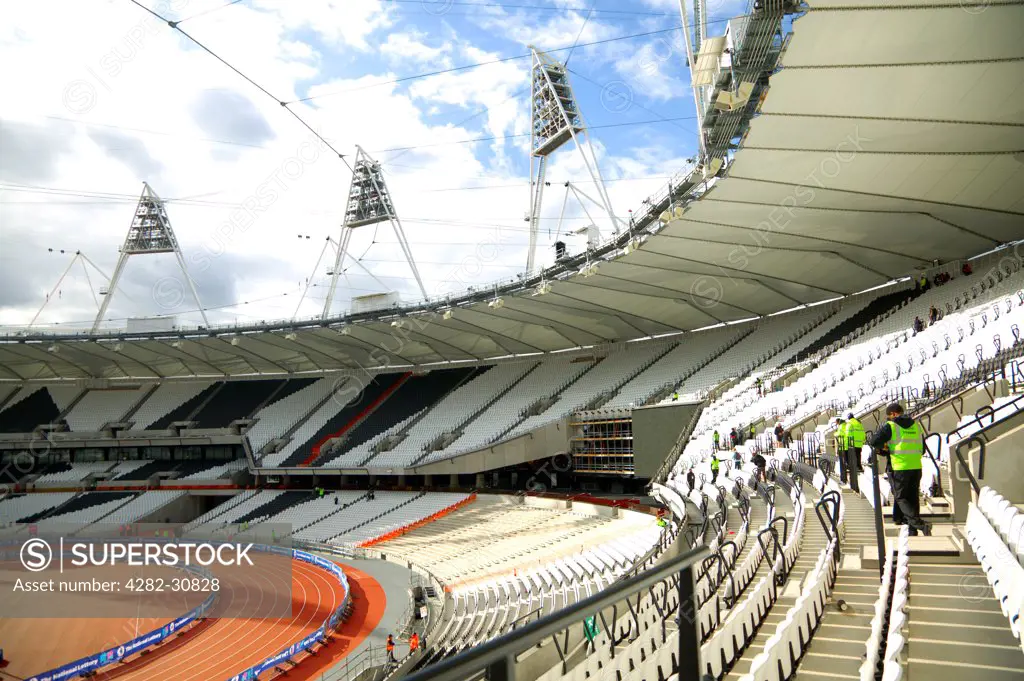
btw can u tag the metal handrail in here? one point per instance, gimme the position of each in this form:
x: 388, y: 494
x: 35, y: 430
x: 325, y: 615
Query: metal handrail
x: 830, y: 502
x: 991, y: 413
x: 498, y: 656
x: 935, y: 462
x: 981, y: 461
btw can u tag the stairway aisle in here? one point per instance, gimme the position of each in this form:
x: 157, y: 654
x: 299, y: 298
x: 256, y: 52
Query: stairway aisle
x: 956, y: 629
x: 813, y: 541
x: 837, y: 648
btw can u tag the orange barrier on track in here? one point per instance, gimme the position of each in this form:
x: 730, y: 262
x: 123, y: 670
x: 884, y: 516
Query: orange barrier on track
x: 393, y: 534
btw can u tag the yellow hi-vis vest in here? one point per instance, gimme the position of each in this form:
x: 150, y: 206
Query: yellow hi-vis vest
x: 905, y: 447
x: 841, y: 435
x: 855, y: 436
x: 714, y: 464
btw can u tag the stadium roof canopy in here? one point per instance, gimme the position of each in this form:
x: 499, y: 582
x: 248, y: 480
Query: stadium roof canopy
x: 890, y: 138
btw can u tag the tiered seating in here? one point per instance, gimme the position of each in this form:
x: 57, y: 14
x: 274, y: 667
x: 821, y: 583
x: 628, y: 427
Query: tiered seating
x: 216, y: 471
x: 277, y: 418
x: 332, y: 528
x: 28, y: 409
x: 236, y: 400
x: 142, y: 507
x: 246, y: 508
x: 419, y: 392
x: 607, y: 375
x: 75, y: 472
x: 887, y: 355
x: 873, y: 308
x: 331, y: 417
x: 402, y: 515
x: 503, y: 573
x: 89, y: 508
x: 772, y: 333
x: 885, y: 641
x: 270, y: 504
x: 99, y: 407
x: 21, y: 508
x: 491, y: 537
x: 995, y: 530
x: 168, y: 397
x: 507, y: 410
x: 446, y: 416
x: 221, y: 509
x: 694, y: 350
x: 311, y: 510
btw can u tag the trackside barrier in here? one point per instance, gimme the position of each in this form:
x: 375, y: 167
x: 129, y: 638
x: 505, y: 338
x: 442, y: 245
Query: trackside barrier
x: 92, y: 663
x: 405, y: 529
x: 310, y: 640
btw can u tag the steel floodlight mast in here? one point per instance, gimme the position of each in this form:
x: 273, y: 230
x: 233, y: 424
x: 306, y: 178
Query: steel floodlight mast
x: 555, y: 119
x: 700, y: 29
x: 369, y: 202
x: 149, y: 234
x: 83, y: 260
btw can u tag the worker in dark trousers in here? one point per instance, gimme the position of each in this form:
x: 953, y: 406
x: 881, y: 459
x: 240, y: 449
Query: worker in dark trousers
x: 691, y: 479
x: 760, y: 464
x: 905, y: 447
x: 715, y: 437
x: 855, y: 438
x: 714, y: 469
x: 390, y: 647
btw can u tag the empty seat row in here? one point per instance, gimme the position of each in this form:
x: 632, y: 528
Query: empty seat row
x: 1002, y: 568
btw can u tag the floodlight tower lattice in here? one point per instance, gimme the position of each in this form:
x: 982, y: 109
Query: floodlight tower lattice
x: 150, y: 234
x: 555, y: 119
x: 693, y: 45
x: 369, y: 203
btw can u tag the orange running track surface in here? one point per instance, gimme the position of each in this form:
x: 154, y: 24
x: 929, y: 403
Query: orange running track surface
x: 217, y: 649
x: 369, y: 605
x: 222, y: 648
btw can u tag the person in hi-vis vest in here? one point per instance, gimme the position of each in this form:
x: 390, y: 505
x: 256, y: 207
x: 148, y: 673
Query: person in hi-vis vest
x: 840, y: 436
x: 855, y: 438
x: 905, y: 441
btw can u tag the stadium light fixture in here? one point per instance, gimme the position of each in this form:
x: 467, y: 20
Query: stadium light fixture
x: 236, y: 340
x: 543, y: 289
x: 589, y: 270
x: 447, y: 314
x: 496, y: 304
x: 53, y: 349
x: 291, y: 336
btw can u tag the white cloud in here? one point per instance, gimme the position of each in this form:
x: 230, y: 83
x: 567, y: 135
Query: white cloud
x: 411, y: 46
x: 108, y: 97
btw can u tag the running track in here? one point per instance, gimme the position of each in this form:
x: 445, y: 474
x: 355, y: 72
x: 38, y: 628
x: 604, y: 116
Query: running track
x: 224, y: 647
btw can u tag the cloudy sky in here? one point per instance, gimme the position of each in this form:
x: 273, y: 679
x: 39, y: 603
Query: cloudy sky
x: 100, y: 96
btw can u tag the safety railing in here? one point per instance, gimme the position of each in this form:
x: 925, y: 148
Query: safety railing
x: 965, y: 466
x: 498, y: 657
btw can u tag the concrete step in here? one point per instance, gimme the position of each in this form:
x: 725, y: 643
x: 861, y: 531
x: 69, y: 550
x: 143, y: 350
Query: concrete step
x: 955, y: 670
x: 935, y: 598
x: 965, y: 632
x: 963, y: 614
x: 925, y: 654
